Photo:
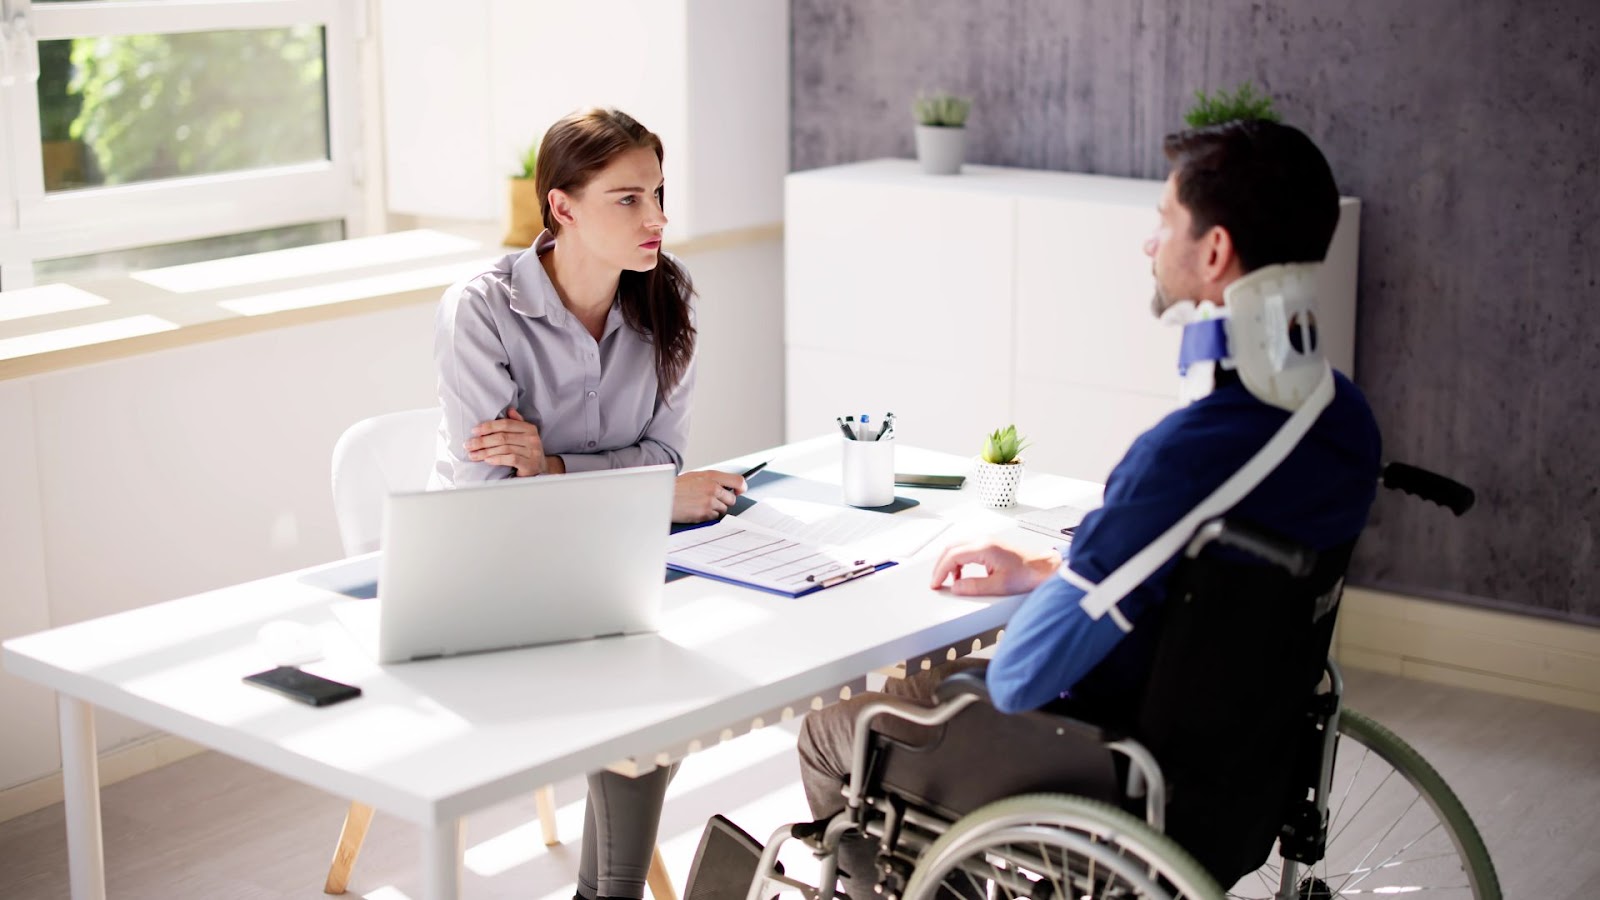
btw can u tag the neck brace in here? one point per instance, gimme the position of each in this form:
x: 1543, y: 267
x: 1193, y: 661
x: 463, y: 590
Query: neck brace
x: 1267, y: 332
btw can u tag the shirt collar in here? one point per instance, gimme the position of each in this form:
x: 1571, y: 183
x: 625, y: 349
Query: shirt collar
x: 532, y: 292
x: 534, y: 295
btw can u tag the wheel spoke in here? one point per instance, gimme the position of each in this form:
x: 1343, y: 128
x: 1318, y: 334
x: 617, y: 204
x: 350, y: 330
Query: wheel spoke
x: 1381, y: 838
x: 1357, y: 814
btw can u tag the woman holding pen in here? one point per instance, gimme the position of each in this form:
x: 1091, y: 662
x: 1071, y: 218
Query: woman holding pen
x: 577, y: 354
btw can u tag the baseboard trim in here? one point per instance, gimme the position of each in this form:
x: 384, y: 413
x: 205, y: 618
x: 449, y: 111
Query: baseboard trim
x: 115, y: 765
x: 1445, y: 643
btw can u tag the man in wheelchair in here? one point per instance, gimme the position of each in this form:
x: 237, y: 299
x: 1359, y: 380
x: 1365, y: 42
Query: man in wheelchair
x: 1274, y: 440
x: 1247, y: 212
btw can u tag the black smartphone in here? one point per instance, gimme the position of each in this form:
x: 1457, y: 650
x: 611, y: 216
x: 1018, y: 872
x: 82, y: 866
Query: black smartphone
x: 313, y: 690
x: 946, y: 482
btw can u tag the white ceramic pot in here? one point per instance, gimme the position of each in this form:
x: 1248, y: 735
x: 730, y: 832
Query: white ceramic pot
x: 997, y: 482
x: 941, y: 149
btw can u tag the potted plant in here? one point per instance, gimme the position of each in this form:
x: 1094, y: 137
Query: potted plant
x: 998, y: 470
x: 1243, y: 103
x: 526, y: 219
x: 941, y: 132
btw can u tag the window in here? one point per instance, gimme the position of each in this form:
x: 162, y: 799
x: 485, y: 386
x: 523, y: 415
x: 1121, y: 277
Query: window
x: 139, y: 129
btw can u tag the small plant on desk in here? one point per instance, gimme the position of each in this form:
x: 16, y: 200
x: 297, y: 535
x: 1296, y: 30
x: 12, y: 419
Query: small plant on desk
x: 998, y: 469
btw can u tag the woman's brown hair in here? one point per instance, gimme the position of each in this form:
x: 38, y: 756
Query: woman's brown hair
x: 655, y: 303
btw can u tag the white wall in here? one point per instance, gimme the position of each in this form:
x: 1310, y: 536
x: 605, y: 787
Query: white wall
x: 468, y: 86
x: 167, y: 474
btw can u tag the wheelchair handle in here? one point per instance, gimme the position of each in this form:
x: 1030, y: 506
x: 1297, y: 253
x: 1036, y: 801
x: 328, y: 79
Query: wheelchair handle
x: 1294, y: 559
x: 1430, y: 486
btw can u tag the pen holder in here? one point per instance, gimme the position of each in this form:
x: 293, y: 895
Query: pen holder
x: 868, y: 472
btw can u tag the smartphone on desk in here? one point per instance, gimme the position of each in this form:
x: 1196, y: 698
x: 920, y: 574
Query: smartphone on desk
x: 304, y: 687
x: 944, y: 482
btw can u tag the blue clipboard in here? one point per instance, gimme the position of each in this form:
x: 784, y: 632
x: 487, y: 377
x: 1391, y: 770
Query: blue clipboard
x: 767, y: 590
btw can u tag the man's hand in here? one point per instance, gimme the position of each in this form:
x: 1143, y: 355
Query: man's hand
x: 704, y: 495
x: 512, y: 441
x: 1010, y: 570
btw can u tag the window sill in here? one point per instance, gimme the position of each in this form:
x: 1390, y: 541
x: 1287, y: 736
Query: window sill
x: 63, y: 326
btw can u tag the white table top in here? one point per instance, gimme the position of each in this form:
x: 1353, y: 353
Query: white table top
x: 431, y: 741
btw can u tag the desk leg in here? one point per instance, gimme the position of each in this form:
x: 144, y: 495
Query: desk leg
x: 442, y: 846
x: 80, y: 785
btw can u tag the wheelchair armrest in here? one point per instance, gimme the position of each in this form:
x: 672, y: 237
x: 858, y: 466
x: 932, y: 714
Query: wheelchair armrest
x: 973, y: 684
x: 962, y: 684
x: 1294, y: 559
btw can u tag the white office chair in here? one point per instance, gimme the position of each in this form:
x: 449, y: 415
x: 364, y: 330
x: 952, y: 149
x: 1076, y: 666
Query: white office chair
x: 373, y: 459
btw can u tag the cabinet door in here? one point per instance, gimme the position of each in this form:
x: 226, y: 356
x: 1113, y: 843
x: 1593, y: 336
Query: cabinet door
x: 940, y: 404
x: 1083, y: 296
x: 917, y: 272
x: 1082, y: 432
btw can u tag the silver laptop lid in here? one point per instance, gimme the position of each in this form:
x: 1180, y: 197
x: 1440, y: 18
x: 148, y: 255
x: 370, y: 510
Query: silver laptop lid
x: 523, y: 561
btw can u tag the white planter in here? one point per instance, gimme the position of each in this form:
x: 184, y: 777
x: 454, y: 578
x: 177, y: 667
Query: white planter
x: 997, y: 482
x: 941, y: 149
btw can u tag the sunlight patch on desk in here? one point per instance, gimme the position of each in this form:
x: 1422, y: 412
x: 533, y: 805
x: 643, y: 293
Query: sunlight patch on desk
x: 709, y: 619
x: 45, y: 299
x: 433, y: 277
x: 83, y: 336
x: 402, y: 247
x: 386, y: 733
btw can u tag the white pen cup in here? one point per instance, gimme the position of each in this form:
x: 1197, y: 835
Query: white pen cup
x: 868, y: 472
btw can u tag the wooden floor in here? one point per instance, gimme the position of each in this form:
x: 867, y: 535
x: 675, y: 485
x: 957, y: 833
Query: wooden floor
x: 211, y: 827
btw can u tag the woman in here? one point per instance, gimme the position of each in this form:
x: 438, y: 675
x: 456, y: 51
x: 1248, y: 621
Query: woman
x: 574, y: 355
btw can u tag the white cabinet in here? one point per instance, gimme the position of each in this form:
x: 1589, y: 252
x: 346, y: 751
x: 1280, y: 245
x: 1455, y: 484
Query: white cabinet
x: 1000, y: 295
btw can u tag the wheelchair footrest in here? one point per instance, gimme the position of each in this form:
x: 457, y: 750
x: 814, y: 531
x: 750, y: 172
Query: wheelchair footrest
x: 725, y: 863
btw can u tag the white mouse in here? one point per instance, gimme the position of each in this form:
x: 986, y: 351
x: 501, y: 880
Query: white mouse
x: 289, y: 643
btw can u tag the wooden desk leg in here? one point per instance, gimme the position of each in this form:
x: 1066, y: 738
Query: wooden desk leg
x: 80, y: 786
x: 545, y: 797
x: 351, y: 836
x: 442, y: 846
x: 658, y: 880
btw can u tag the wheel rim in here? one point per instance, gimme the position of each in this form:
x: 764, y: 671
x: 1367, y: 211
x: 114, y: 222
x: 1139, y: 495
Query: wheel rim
x: 1050, y: 847
x: 1394, y: 828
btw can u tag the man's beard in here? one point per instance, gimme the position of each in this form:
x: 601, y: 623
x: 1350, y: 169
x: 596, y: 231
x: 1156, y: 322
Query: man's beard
x: 1158, y: 301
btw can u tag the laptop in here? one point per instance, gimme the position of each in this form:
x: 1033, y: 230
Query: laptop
x: 516, y: 563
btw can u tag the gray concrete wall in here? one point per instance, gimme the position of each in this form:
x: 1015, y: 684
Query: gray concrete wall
x: 1471, y: 132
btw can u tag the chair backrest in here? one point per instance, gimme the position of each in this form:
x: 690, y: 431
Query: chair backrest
x: 1236, y: 664
x: 374, y: 458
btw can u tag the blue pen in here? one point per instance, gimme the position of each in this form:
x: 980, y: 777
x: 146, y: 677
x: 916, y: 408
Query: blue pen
x: 867, y: 432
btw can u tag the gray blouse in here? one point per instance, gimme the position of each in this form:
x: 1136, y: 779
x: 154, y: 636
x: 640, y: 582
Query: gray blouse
x: 503, y: 338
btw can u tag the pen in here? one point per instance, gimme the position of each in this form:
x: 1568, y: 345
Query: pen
x: 755, y: 468
x: 844, y: 576
x: 844, y: 428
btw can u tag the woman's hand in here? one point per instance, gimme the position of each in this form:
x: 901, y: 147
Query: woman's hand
x: 512, y: 441
x: 704, y: 495
x: 1010, y: 571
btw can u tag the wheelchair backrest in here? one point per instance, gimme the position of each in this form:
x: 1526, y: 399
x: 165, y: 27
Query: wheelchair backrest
x: 1237, y: 661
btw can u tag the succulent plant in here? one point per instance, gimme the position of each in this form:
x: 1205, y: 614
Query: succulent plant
x: 1003, y: 445
x: 1243, y: 103
x: 941, y: 110
x: 530, y: 162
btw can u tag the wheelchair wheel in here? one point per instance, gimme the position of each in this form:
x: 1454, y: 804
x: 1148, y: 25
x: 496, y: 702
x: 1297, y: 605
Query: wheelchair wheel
x: 1055, y: 847
x: 1394, y: 827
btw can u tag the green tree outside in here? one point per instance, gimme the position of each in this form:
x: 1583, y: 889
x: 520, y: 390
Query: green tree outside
x: 170, y: 105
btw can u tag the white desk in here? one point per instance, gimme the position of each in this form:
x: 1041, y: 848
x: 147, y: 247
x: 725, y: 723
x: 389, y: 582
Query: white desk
x: 433, y: 741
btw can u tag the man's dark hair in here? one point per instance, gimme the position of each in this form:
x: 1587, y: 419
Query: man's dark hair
x: 1264, y: 182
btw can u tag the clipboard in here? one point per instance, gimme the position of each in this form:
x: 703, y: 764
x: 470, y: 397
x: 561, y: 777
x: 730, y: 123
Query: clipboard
x: 878, y: 567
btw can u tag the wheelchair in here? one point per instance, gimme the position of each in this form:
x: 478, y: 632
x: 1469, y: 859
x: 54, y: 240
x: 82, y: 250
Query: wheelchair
x: 1237, y: 740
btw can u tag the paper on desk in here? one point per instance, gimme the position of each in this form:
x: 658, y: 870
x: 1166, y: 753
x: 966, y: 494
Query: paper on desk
x: 856, y: 531
x: 751, y: 554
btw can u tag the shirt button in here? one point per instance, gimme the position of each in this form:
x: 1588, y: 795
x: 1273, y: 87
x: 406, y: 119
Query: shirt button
x: 591, y: 443
x: 591, y: 394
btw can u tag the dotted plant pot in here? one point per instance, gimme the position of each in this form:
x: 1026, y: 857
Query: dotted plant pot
x: 997, y: 482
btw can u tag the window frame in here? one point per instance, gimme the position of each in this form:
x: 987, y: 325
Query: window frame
x: 41, y: 225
